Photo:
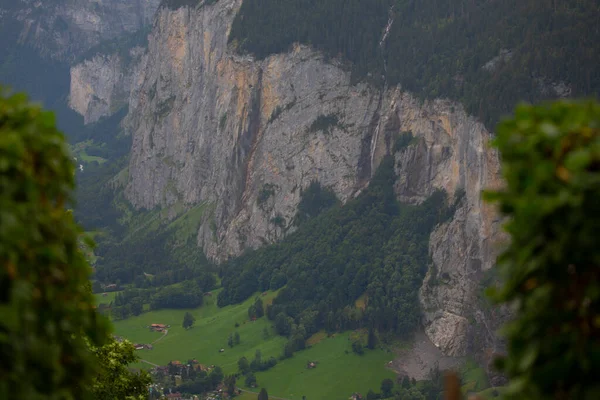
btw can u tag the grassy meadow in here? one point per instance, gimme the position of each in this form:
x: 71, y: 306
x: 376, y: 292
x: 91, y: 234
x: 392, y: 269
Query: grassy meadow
x: 204, y: 340
x: 101, y: 299
x: 79, y: 152
x: 339, y: 372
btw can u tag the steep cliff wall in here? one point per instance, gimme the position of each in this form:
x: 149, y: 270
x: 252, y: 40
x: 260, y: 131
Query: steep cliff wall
x: 211, y: 126
x: 452, y: 153
x: 101, y: 85
x: 247, y: 136
x: 63, y: 29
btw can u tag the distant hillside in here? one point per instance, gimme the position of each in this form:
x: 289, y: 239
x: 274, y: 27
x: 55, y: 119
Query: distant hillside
x: 488, y: 54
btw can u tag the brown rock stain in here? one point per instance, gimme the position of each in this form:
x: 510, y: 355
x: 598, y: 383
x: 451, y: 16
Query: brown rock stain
x: 177, y: 45
x: 270, y: 95
x: 271, y: 164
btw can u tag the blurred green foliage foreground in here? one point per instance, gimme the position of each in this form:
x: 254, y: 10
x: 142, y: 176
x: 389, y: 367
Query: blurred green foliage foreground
x: 551, y: 269
x: 53, y: 344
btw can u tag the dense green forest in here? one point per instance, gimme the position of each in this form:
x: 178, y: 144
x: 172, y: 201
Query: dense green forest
x: 348, y: 28
x: 372, y: 247
x: 442, y: 49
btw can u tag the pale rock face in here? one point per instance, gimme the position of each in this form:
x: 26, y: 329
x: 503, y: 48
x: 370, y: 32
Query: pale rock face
x: 202, y: 128
x: 101, y: 85
x: 452, y: 153
x: 211, y: 126
x: 63, y: 29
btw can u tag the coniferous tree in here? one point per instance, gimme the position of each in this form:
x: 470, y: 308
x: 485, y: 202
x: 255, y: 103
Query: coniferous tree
x: 230, y: 384
x: 250, y: 380
x: 259, y: 308
x: 371, y: 339
x: 188, y: 320
x: 386, y: 387
x: 405, y: 382
x: 263, y: 395
x: 243, y: 365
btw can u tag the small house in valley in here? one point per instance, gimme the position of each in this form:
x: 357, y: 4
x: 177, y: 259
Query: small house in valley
x: 159, y: 327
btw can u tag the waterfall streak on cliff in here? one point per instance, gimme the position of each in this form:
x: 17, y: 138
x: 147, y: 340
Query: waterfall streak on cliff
x: 386, y: 32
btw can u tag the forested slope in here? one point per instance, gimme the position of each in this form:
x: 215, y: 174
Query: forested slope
x: 488, y: 54
x: 372, y: 245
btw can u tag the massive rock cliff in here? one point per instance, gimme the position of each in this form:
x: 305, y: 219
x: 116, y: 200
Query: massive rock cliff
x: 247, y: 136
x: 63, y: 29
x: 453, y: 154
x: 101, y: 85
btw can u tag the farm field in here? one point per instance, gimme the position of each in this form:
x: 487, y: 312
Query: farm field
x: 204, y: 340
x: 339, y: 372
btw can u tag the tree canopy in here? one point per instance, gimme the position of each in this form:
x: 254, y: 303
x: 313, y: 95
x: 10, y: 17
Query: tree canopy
x: 188, y: 320
x: 263, y: 395
x: 48, y: 316
x: 115, y: 380
x: 551, y: 268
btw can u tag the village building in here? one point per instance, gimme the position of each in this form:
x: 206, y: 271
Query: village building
x: 161, y: 370
x: 159, y: 327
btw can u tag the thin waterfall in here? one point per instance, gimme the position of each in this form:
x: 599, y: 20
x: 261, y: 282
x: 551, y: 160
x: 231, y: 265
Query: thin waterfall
x: 384, y: 37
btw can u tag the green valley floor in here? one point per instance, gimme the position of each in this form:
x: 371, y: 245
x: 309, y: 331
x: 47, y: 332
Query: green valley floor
x: 339, y: 372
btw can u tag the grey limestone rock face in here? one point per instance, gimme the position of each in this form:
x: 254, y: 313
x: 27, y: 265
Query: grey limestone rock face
x: 451, y: 152
x: 64, y: 29
x: 101, y: 86
x: 210, y: 126
x: 246, y: 136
